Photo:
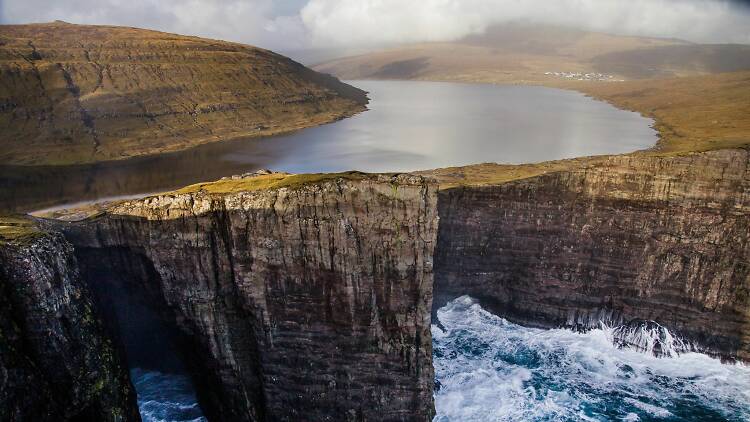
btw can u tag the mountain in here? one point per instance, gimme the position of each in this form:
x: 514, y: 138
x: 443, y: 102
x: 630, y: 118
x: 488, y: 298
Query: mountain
x: 72, y: 94
x: 522, y: 53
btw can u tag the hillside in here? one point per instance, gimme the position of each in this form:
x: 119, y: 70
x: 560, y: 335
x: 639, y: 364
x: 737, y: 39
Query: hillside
x: 72, y: 94
x: 533, y: 54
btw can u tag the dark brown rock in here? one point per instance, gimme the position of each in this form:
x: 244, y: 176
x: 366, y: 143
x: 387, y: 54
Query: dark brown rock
x: 300, y: 303
x: 56, y: 362
x: 636, y: 238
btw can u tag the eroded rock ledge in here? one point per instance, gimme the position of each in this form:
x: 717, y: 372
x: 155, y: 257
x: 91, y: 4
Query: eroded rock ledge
x: 300, y: 302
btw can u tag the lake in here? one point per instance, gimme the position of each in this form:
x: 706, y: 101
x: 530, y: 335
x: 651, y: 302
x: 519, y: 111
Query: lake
x: 410, y: 126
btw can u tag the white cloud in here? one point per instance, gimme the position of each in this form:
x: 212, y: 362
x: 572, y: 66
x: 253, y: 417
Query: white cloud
x: 347, y: 22
x: 256, y: 22
x: 298, y: 24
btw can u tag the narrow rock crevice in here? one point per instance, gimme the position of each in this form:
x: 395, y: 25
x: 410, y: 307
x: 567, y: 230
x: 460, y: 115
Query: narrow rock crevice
x: 86, y: 118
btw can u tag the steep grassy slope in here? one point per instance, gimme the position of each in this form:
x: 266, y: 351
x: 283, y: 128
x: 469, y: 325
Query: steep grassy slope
x: 80, y: 94
x: 524, y: 54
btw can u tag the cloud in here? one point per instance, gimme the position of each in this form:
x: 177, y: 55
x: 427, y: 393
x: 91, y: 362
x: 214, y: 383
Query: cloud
x: 300, y: 24
x: 347, y: 22
x: 268, y: 23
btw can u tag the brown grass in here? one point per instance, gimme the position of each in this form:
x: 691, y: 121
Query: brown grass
x: 518, y: 54
x: 493, y: 174
x: 692, y: 114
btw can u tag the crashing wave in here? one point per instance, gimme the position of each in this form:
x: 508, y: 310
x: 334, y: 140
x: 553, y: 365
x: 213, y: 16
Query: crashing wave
x: 489, y: 369
x: 648, y: 337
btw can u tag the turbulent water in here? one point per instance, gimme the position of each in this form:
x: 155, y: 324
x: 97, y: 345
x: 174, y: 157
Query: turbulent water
x: 488, y: 369
x: 165, y: 397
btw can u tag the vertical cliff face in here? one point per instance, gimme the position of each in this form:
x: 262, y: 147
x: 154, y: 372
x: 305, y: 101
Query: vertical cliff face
x: 56, y: 363
x: 308, y: 302
x: 636, y: 238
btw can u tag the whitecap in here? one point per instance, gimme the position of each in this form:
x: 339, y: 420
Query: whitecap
x: 488, y: 369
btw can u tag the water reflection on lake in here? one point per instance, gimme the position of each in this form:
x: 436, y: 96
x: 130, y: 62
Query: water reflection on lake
x: 410, y: 126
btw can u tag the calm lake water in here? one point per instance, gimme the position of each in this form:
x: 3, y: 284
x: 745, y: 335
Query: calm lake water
x: 410, y: 126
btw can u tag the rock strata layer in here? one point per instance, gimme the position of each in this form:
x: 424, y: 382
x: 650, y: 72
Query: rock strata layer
x: 56, y: 361
x: 307, y: 302
x: 638, y: 237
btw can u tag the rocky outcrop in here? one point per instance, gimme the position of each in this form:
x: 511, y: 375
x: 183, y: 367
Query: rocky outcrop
x: 309, y: 301
x: 56, y: 362
x: 639, y: 237
x: 72, y: 94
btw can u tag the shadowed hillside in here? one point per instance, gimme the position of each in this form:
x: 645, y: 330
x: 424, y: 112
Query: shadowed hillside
x: 80, y: 94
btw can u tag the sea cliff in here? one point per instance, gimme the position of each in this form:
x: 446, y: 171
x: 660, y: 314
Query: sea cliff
x: 309, y: 296
x: 309, y: 301
x: 633, y: 237
x: 56, y: 360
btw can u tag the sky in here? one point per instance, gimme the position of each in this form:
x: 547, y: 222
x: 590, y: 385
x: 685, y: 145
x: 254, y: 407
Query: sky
x: 288, y: 25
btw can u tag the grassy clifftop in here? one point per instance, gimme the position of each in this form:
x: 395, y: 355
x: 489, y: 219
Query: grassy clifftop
x: 17, y: 228
x: 73, y: 94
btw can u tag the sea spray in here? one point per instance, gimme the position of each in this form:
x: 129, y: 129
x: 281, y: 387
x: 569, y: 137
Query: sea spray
x: 488, y: 369
x: 648, y: 337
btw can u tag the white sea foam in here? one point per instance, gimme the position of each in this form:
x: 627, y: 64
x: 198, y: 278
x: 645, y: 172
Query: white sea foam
x: 491, y: 370
x: 649, y: 337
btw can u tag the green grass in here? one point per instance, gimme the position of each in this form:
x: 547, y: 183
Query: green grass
x: 270, y: 181
x: 18, y: 229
